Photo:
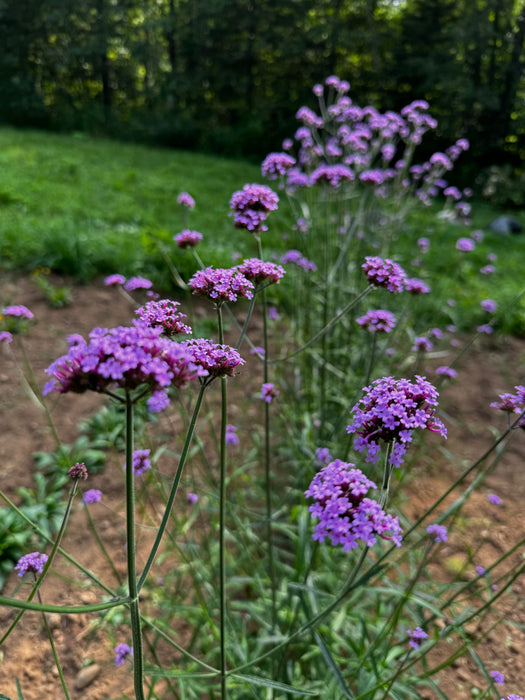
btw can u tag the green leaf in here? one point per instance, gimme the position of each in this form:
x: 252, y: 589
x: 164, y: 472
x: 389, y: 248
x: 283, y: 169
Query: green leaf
x: 257, y: 680
x: 4, y: 697
x: 327, y: 656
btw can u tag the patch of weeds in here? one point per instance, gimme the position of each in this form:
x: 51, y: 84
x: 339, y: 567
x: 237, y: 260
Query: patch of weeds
x: 57, y: 296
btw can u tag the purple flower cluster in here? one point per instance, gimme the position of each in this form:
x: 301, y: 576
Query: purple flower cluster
x: 141, y: 462
x: 268, y: 392
x: 260, y: 272
x: 115, y: 279
x: 217, y: 360
x: 416, y: 637
x: 186, y: 200
x: 389, y: 411
x: 124, y: 357
x: 251, y: 206
x: 6, y: 337
x: 276, y: 164
x: 78, y: 471
x: 294, y: 256
x: 221, y: 284
x: 377, y: 321
x: 137, y: 283
x: 447, y: 372
x: 344, y: 513
x: 33, y: 562
x: 416, y: 287
x: 332, y: 175
x: 489, y: 305
x: 511, y: 403
x: 440, y: 532
x: 465, y: 245
x: 122, y: 651
x: 92, y: 496
x: 187, y: 239
x: 231, y: 435
x: 18, y: 311
x: 384, y: 273
x: 163, y: 314
x: 422, y: 344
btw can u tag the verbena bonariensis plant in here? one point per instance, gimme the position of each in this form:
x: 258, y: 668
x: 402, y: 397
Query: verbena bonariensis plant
x: 304, y: 576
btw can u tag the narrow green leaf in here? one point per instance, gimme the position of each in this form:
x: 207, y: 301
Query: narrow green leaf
x: 327, y: 656
x: 257, y: 680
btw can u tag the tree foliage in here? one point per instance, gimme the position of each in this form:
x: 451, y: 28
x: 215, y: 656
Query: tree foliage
x: 228, y: 75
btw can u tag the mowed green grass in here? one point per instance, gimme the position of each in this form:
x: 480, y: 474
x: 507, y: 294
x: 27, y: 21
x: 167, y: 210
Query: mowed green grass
x: 86, y: 207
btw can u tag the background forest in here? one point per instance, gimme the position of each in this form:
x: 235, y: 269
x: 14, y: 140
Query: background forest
x: 226, y: 76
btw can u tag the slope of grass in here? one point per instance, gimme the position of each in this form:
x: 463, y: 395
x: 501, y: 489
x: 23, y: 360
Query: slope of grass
x: 86, y: 207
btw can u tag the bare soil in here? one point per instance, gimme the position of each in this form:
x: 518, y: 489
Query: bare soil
x: 490, y: 368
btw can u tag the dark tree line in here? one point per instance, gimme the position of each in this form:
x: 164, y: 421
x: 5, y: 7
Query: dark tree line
x: 228, y: 75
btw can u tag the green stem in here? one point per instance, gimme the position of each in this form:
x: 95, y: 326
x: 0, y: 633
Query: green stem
x: 267, y: 471
x: 174, y: 487
x: 222, y: 524
x: 93, y: 530
x: 326, y: 328
x: 136, y: 632
x: 53, y: 649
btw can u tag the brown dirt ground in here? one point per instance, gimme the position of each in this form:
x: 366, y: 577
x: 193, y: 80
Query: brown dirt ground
x: 493, y: 367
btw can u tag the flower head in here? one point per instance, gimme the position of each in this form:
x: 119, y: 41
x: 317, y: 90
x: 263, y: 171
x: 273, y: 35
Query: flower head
x: 511, y: 403
x: 187, y: 239
x: 465, y: 245
x: 377, y: 321
x: 489, y: 305
x: 163, y: 314
x: 251, y: 206
x: 122, y: 651
x: 221, y: 284
x: 192, y: 498
x: 276, y: 164
x: 18, y: 310
x: 268, y: 392
x: 92, y: 496
x: 384, y: 273
x: 231, y: 435
x: 498, y: 677
x: 124, y: 357
x: 6, y: 337
x: 260, y: 272
x: 494, y: 499
x: 34, y: 562
x: 332, y: 175
x: 416, y: 637
x: 446, y: 372
x: 78, y: 471
x: 141, y: 461
x: 323, y: 455
x: 186, y: 200
x: 137, y: 283
x: 389, y: 412
x: 422, y: 344
x: 217, y: 360
x: 416, y: 287
x: 440, y: 532
x: 345, y: 515
x: 115, y: 279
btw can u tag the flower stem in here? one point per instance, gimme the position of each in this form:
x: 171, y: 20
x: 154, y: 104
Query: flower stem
x: 174, y: 487
x: 53, y: 649
x: 222, y: 527
x: 136, y: 632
